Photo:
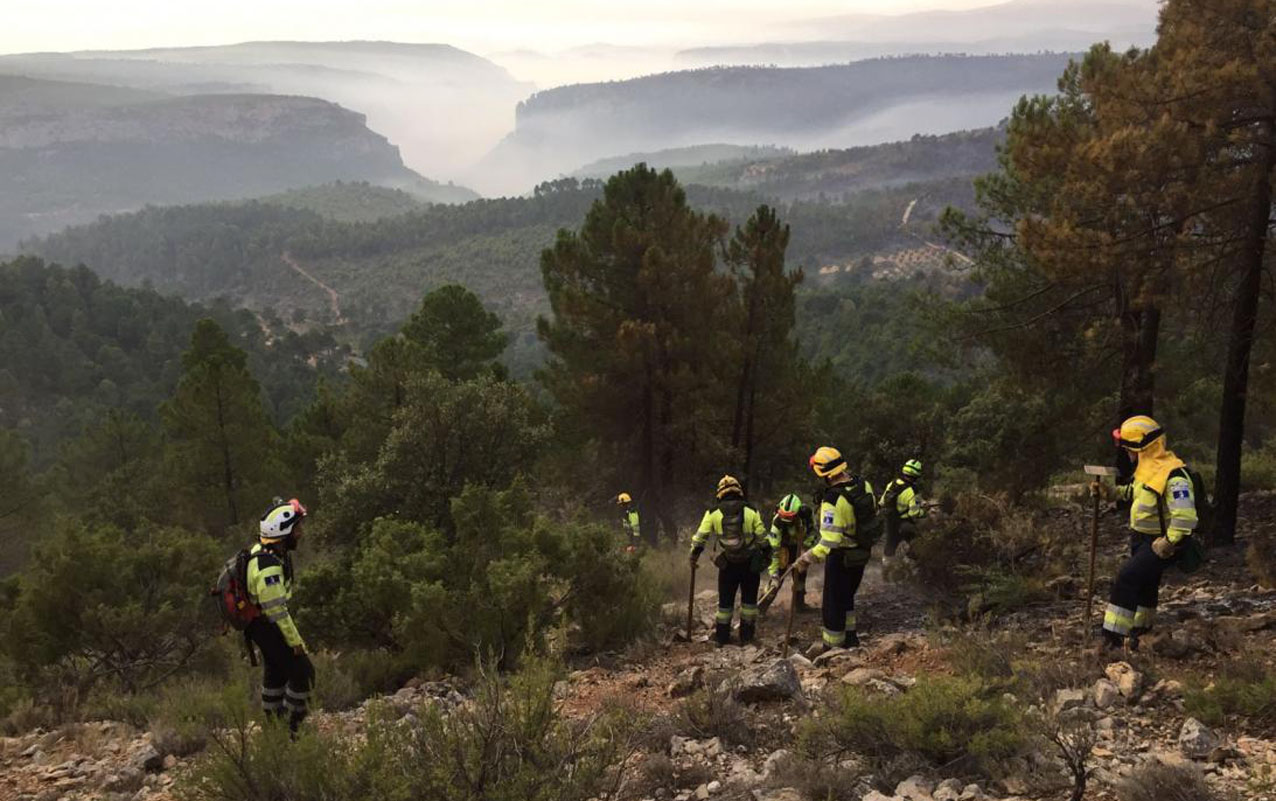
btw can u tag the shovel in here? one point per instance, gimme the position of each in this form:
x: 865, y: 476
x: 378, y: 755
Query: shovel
x: 1087, y: 613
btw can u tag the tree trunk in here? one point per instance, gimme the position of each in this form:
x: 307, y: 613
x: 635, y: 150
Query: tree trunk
x: 648, y: 494
x: 750, y: 416
x: 665, y: 475
x: 1231, y: 424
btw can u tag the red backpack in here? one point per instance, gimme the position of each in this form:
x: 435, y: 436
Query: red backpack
x: 230, y: 593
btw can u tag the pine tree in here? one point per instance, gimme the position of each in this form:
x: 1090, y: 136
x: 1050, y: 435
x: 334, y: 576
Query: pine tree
x: 768, y: 355
x: 641, y: 321
x: 1218, y: 72
x: 460, y: 337
x: 223, y: 452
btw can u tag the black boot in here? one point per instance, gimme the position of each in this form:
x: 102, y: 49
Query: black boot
x: 722, y: 634
x: 852, y: 640
x: 747, y: 631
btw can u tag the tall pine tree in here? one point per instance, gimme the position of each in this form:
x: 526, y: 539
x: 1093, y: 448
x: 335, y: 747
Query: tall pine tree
x: 223, y: 451
x: 639, y: 329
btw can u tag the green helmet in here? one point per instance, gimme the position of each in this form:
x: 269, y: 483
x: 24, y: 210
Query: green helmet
x: 789, y: 507
x: 913, y: 468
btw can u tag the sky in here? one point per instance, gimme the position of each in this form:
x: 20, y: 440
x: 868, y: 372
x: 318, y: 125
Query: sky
x: 477, y: 25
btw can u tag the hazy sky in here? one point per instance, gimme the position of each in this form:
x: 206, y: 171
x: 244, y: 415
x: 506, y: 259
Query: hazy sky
x: 480, y: 25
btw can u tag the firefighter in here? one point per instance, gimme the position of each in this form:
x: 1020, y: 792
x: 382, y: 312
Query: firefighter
x: 901, y: 509
x: 742, y: 539
x: 848, y: 524
x: 288, y: 675
x: 792, y: 532
x: 629, y: 521
x: 1163, y: 517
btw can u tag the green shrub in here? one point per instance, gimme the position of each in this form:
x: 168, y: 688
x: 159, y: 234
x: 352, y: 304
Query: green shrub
x: 943, y: 720
x: 1155, y: 781
x: 345, y: 680
x: 1245, y: 690
x: 496, y: 585
x: 1258, y: 469
x: 99, y: 604
x: 511, y: 744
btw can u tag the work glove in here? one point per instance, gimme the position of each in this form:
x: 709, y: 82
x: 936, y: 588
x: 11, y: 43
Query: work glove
x: 299, y: 650
x: 772, y: 583
x: 694, y: 559
x: 1163, y: 547
x: 803, y: 562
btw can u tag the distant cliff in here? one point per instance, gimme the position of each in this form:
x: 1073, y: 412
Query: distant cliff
x: 863, y: 103
x: 66, y: 159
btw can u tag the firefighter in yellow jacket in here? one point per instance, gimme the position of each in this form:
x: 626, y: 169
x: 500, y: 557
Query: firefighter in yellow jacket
x: 1162, y: 518
x: 847, y: 524
x: 288, y: 675
x: 744, y: 553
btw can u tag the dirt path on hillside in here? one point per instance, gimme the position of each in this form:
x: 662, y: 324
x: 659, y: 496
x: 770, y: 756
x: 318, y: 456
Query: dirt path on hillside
x: 334, y: 299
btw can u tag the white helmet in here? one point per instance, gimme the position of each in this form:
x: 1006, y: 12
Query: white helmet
x: 280, y: 521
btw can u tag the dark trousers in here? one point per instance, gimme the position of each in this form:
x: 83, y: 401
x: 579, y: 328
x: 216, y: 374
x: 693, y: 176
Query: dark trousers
x: 733, y: 576
x: 287, y: 677
x: 898, y: 530
x: 1135, y: 591
x: 841, y: 582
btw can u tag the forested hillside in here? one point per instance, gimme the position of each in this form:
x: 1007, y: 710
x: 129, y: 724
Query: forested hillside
x: 67, y: 160
x: 267, y: 256
x: 861, y: 103
x: 73, y: 347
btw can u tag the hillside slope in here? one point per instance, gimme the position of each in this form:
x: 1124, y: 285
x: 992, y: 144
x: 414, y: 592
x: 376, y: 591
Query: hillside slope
x: 863, y: 103
x: 69, y: 152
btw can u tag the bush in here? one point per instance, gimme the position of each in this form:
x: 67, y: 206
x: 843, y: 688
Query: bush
x: 709, y: 713
x: 511, y: 743
x: 1245, y: 690
x: 100, y: 604
x: 1261, y: 557
x: 945, y: 721
x: 496, y: 586
x: 1155, y: 781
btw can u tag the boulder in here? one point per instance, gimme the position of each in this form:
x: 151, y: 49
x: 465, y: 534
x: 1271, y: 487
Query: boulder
x: 873, y: 795
x: 687, y: 682
x: 915, y: 788
x: 146, y: 758
x: 948, y: 790
x: 1105, y: 693
x: 1068, y: 698
x: 1128, y: 680
x: 972, y: 792
x: 777, y: 681
x: 773, y: 762
x: 891, y: 645
x: 1196, y: 740
x: 782, y: 794
x: 862, y: 676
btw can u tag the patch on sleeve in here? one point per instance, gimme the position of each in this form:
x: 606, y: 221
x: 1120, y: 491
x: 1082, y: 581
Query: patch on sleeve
x: 1180, y: 495
x: 273, y: 580
x: 827, y: 519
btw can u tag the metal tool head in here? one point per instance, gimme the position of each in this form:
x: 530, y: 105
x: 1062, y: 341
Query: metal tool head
x: 1100, y: 470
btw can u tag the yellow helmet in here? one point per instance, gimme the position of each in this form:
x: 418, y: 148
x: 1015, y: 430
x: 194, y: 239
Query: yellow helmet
x: 1137, y: 433
x: 828, y: 462
x: 623, y: 498
x: 728, y: 485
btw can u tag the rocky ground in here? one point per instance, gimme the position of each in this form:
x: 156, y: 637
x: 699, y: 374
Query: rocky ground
x: 1133, y: 706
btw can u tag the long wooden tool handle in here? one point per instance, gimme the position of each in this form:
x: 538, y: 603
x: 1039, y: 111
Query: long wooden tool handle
x: 1089, y: 591
x: 691, y: 601
x: 793, y: 602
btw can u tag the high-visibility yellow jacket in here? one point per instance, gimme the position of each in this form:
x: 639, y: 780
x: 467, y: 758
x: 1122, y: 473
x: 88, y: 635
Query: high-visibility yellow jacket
x: 270, y: 587
x: 1172, y: 513
x: 629, y: 520
x: 737, y: 526
x: 907, y: 505
x: 838, y: 524
x: 799, y: 531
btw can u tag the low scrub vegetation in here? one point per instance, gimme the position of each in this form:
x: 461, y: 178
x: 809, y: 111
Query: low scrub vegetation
x: 509, y: 743
x: 942, y: 721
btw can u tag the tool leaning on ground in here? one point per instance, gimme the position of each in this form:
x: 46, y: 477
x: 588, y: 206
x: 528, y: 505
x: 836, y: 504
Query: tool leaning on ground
x: 1087, y: 613
x: 691, y: 600
x: 788, y: 628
